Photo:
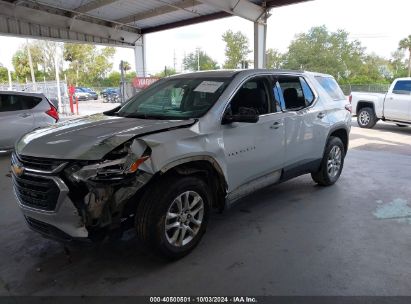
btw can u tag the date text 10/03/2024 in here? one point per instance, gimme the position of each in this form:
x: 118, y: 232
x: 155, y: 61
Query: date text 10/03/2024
x: 203, y: 300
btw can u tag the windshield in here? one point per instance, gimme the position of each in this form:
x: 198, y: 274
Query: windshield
x: 176, y: 98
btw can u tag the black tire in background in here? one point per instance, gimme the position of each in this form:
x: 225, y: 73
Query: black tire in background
x: 323, y: 176
x: 153, y: 210
x: 366, y: 118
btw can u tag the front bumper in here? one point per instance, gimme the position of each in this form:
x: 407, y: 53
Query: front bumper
x: 62, y: 223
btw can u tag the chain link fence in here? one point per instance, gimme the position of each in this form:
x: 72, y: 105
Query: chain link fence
x: 371, y: 88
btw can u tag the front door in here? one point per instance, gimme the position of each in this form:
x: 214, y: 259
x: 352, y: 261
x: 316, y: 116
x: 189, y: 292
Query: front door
x: 253, y: 150
x: 397, y: 105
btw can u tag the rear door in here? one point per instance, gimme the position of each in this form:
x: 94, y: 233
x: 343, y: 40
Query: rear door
x: 306, y: 125
x: 397, y: 104
x: 16, y: 118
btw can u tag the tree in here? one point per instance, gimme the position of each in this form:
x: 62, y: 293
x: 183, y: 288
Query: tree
x: 42, y: 54
x: 126, y: 66
x: 236, y: 49
x: 4, y: 76
x: 327, y: 52
x: 274, y: 59
x: 113, y: 80
x: 201, y: 59
x: 21, y: 64
x: 398, y: 64
x: 322, y: 51
x: 405, y: 44
x: 88, y: 65
x: 168, y: 71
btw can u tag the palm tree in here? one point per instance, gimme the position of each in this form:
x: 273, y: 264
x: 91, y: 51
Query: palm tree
x: 405, y: 44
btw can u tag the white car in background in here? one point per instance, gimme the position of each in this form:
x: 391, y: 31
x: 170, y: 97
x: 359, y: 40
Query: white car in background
x: 395, y: 106
x: 82, y: 95
x: 22, y: 112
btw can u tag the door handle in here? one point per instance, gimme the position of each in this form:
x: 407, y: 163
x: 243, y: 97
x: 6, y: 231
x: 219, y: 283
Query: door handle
x: 25, y: 115
x: 321, y: 115
x: 276, y: 125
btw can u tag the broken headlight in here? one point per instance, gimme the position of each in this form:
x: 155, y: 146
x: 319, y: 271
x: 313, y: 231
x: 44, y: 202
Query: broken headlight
x: 117, y: 165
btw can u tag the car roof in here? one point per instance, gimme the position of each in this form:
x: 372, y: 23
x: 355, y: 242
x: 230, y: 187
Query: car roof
x: 41, y: 95
x: 231, y: 73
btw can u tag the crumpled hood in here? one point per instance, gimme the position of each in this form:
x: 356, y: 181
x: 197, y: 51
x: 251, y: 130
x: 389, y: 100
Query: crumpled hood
x: 91, y: 137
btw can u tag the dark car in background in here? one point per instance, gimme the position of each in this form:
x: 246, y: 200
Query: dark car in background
x: 108, y: 91
x: 111, y: 95
x: 93, y: 94
x: 82, y: 95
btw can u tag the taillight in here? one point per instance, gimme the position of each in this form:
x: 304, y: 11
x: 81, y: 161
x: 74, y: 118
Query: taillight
x: 53, y: 113
x: 350, y: 98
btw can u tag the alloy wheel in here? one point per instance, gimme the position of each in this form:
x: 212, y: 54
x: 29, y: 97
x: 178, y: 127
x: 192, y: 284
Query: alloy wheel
x: 184, y: 218
x: 364, y: 118
x: 334, y: 161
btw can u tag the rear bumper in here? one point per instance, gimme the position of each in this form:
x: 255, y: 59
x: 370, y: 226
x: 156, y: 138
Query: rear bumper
x: 63, y: 223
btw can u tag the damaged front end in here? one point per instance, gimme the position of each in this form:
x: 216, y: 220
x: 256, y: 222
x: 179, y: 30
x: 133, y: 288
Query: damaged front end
x: 100, y: 190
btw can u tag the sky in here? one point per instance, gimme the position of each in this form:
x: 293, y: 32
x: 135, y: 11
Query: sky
x: 378, y: 25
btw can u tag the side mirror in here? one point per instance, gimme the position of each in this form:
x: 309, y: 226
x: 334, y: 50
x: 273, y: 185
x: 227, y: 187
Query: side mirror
x: 249, y: 116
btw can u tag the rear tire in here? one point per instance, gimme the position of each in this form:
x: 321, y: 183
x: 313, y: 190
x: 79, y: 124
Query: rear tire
x: 169, y: 228
x: 331, y: 164
x: 366, y: 118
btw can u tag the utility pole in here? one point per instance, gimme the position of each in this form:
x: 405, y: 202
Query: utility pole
x: 61, y: 110
x: 175, y: 60
x: 182, y: 62
x: 10, y: 82
x: 198, y: 59
x: 122, y: 80
x: 33, y: 79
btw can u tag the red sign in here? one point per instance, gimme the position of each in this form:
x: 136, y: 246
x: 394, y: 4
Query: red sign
x: 143, y: 82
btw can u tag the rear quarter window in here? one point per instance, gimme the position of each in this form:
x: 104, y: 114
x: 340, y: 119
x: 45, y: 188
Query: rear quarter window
x: 331, y: 87
x: 11, y: 102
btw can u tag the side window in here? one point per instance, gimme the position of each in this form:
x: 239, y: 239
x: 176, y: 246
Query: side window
x: 308, y: 94
x: 28, y: 102
x: 292, y: 92
x: 252, y: 95
x: 278, y: 97
x: 177, y: 96
x: 331, y: 87
x: 402, y: 87
x: 9, y: 103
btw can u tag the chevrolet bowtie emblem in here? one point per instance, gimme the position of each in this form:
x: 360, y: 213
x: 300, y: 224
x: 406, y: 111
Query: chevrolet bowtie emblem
x: 17, y: 169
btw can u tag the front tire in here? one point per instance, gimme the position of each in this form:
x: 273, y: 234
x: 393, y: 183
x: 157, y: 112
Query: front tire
x: 171, y: 222
x: 331, y: 164
x: 366, y: 118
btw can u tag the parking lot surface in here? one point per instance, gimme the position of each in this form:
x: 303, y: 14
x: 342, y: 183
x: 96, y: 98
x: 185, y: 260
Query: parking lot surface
x: 353, y: 238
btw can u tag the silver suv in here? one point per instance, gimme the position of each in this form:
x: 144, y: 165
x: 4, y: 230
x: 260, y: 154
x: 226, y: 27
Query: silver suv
x: 22, y: 112
x: 185, y: 145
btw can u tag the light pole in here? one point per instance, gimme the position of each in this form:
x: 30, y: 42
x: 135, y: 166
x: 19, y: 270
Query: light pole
x: 198, y: 59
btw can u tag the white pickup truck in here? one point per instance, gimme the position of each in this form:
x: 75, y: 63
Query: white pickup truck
x: 395, y: 106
